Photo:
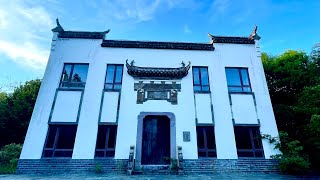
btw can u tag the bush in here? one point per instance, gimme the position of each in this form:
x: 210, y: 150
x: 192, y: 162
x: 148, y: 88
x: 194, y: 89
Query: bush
x: 9, y: 156
x: 291, y: 160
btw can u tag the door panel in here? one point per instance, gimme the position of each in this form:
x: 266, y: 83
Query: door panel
x: 156, y: 140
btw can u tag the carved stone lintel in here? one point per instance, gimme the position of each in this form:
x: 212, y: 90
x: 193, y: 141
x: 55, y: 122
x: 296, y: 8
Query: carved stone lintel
x: 140, y: 96
x: 174, y: 96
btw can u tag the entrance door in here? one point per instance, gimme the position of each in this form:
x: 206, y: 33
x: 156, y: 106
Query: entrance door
x: 156, y: 140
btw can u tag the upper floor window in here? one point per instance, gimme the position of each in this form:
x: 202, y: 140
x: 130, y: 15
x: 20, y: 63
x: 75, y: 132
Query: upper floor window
x: 200, y: 79
x: 114, y: 77
x: 238, y: 80
x: 74, y: 75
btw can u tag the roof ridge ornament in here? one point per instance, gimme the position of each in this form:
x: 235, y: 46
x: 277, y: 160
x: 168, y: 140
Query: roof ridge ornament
x: 254, y: 35
x: 104, y: 33
x: 59, y: 28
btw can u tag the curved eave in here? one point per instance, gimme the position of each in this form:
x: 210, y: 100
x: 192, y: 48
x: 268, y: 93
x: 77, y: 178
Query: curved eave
x: 157, y: 73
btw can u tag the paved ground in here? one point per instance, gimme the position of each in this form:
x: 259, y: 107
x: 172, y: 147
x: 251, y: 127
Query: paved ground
x: 154, y: 177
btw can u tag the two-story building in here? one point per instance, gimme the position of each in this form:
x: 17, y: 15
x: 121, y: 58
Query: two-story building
x: 99, y: 97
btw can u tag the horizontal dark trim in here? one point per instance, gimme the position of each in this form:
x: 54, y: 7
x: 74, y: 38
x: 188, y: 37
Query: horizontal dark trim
x: 81, y: 34
x: 232, y: 40
x: 112, y: 90
x: 255, y: 125
x: 202, y: 92
x: 157, y: 45
x: 245, y: 93
x: 204, y: 124
x: 108, y: 123
x: 70, y: 89
x: 63, y: 123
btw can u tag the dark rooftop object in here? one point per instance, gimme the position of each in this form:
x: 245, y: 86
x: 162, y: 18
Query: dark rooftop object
x: 254, y: 35
x: 236, y: 40
x: 157, y: 73
x: 78, y: 34
x: 157, y: 45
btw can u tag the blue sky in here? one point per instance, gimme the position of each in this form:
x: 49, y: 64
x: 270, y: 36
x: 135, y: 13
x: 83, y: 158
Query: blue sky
x: 25, y: 25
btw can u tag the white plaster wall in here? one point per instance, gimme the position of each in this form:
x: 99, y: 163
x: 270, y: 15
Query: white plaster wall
x: 203, y: 108
x: 243, y: 109
x: 90, y: 51
x: 66, y: 106
x: 109, y: 107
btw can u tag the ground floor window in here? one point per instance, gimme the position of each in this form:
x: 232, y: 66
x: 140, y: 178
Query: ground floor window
x: 248, y: 141
x: 106, y: 141
x: 60, y: 141
x: 206, y: 141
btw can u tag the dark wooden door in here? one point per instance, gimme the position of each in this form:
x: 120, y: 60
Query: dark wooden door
x: 156, y: 140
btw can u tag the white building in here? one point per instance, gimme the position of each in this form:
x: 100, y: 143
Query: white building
x: 98, y: 97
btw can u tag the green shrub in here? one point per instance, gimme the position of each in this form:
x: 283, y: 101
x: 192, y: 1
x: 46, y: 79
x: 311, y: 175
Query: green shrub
x: 9, y: 156
x: 98, y: 168
x: 291, y: 160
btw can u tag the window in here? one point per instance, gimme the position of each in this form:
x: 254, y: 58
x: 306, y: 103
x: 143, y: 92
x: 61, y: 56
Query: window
x: 74, y: 76
x: 206, y: 141
x: 106, y: 141
x: 238, y: 80
x: 60, y: 141
x: 114, y: 77
x: 248, y: 141
x: 200, y: 79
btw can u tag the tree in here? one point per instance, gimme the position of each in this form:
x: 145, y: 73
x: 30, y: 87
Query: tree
x: 15, y: 112
x: 294, y: 84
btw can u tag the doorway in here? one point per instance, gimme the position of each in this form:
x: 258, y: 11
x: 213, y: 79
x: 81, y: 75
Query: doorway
x: 155, y: 140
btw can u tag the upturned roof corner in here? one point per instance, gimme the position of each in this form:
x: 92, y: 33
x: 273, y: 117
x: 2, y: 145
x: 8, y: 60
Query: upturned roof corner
x: 254, y: 35
x: 59, y: 28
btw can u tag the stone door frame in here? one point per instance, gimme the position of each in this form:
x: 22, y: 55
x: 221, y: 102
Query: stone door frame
x: 173, y: 145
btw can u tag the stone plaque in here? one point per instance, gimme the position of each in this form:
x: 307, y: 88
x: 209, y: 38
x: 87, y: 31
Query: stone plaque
x: 186, y: 136
x: 157, y: 95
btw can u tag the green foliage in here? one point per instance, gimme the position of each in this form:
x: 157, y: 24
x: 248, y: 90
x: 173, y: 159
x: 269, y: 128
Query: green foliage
x: 15, y: 112
x: 9, y: 156
x: 292, y: 160
x: 294, y: 85
x: 98, y: 168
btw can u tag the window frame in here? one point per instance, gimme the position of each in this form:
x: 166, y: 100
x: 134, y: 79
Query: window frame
x: 114, y: 78
x: 69, y: 82
x: 253, y: 149
x: 107, y: 135
x: 55, y: 142
x: 200, y: 80
x: 206, y: 150
x: 242, y: 86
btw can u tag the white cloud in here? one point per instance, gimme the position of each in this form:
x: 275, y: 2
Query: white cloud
x: 25, y: 33
x: 186, y: 29
x: 27, y: 54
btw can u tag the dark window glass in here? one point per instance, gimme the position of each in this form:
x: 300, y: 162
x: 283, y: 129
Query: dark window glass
x: 74, y: 76
x: 248, y: 141
x: 238, y: 80
x: 200, y: 79
x: 106, y: 141
x: 206, y: 141
x: 67, y: 135
x: 114, y: 77
x: 60, y: 141
x: 51, y: 137
x: 110, y: 73
x: 196, y: 79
